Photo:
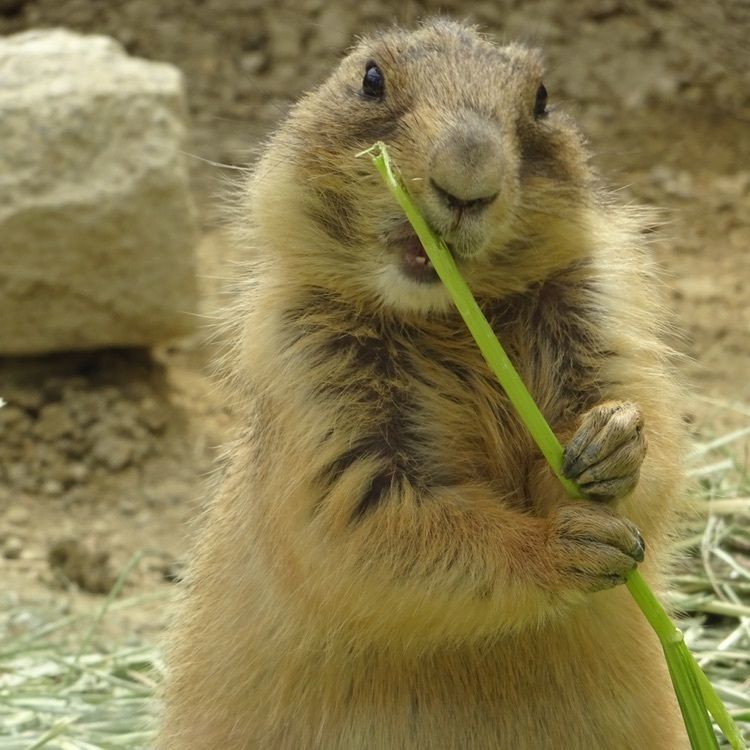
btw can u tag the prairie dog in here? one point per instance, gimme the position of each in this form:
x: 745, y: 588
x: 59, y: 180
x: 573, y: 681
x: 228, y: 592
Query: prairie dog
x: 388, y: 562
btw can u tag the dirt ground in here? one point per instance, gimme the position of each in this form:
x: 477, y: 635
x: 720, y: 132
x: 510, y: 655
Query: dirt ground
x: 107, y: 453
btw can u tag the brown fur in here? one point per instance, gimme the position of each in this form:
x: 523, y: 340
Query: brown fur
x: 388, y: 562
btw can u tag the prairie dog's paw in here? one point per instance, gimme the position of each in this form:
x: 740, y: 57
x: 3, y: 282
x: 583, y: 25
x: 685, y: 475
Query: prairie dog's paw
x: 604, y: 456
x: 592, y: 548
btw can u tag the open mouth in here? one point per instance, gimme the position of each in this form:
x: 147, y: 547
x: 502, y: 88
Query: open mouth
x: 415, y: 264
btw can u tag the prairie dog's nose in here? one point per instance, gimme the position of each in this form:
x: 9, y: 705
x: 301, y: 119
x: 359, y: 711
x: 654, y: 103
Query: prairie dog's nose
x: 465, y: 169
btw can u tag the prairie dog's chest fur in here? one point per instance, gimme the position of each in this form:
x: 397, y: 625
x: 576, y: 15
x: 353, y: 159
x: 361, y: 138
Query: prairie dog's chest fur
x: 418, y: 395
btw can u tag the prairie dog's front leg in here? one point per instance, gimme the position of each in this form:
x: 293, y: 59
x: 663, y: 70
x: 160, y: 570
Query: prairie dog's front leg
x: 605, y: 454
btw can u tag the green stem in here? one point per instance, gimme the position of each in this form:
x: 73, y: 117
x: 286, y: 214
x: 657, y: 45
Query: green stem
x: 715, y: 706
x: 687, y: 677
x: 695, y: 693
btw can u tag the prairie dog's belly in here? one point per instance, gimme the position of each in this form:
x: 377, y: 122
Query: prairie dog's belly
x: 518, y: 693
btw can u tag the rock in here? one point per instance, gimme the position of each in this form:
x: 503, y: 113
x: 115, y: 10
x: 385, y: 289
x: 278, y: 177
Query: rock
x: 152, y: 416
x: 11, y: 417
x: 97, y: 228
x: 77, y: 472
x: 12, y: 548
x: 89, y: 569
x: 112, y: 451
x: 16, y: 473
x: 18, y: 515
x: 25, y: 397
x: 54, y: 422
x: 168, y: 491
x: 52, y: 487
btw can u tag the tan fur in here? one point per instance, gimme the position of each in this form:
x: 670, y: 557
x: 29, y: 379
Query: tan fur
x: 388, y: 562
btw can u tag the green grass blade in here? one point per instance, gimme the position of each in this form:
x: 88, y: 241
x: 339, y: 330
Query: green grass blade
x: 697, y: 722
x: 714, y: 704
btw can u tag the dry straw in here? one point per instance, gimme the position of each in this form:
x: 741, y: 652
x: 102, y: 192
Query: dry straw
x: 65, y: 693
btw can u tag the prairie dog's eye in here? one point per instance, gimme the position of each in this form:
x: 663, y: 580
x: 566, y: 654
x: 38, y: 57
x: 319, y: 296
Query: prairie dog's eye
x: 373, y: 84
x: 540, y: 105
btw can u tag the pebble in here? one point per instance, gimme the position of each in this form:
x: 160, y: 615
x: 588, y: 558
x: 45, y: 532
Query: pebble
x: 77, y: 472
x: 52, y: 487
x: 113, y: 452
x: 54, y: 422
x: 12, y: 548
x: 17, y: 515
x: 12, y: 417
x: 26, y: 398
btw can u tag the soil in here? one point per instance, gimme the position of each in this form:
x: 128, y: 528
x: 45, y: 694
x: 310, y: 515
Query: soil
x: 103, y: 454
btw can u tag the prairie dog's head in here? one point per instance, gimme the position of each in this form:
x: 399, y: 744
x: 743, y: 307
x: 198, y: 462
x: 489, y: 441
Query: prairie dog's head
x: 502, y: 177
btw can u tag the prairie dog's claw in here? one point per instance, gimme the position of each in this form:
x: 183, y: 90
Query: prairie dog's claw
x: 593, y: 548
x: 605, y: 454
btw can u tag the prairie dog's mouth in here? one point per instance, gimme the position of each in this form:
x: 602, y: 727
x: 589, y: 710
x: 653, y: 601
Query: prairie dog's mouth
x: 414, y: 263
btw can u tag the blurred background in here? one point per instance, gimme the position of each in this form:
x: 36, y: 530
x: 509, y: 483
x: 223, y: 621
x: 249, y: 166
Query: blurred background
x: 105, y: 453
